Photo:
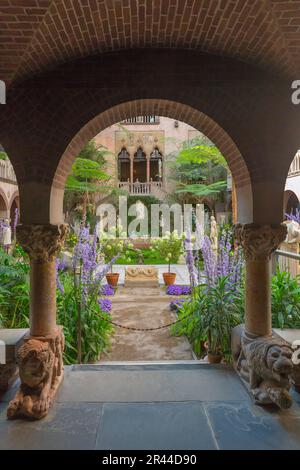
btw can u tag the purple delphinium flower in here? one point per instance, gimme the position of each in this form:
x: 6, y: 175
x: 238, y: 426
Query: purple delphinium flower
x: 226, y: 262
x: 178, y: 290
x: 105, y: 305
x: 190, y: 262
x: 210, y: 261
x: 107, y: 290
x: 173, y: 290
x: 16, y: 220
x: 294, y: 216
x: 59, y: 267
x: 185, y: 290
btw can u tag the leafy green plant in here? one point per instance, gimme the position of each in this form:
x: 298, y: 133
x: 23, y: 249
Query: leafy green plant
x: 169, y: 248
x: 219, y: 317
x: 113, y: 246
x: 285, y: 301
x: 210, y: 316
x: 14, y: 289
x: 95, y: 332
x: 190, y: 325
x: 86, y: 179
x: 199, y: 169
x: 71, y: 240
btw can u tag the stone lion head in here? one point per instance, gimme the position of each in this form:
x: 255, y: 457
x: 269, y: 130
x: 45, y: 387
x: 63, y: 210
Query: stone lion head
x: 34, y: 358
x: 279, y: 362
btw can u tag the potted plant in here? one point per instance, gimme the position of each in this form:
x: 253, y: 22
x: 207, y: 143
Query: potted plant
x: 169, y: 247
x: 113, y: 247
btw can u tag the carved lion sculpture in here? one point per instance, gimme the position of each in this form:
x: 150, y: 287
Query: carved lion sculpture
x: 270, y: 367
x: 266, y: 364
x: 40, y: 366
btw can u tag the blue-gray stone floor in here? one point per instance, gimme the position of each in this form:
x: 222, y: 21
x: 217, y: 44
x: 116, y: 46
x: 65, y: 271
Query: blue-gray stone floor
x: 153, y: 407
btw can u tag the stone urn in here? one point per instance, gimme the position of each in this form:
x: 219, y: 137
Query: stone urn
x: 169, y: 278
x: 112, y: 279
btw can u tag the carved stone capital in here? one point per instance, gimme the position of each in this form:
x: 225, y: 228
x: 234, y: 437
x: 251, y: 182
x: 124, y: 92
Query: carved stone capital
x: 42, y: 242
x: 259, y: 241
x: 40, y: 361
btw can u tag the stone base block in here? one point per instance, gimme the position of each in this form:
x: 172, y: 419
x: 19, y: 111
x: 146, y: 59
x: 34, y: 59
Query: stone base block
x: 141, y: 277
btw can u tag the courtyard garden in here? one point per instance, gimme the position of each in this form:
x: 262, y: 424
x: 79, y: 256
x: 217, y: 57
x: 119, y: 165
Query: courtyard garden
x: 203, y: 311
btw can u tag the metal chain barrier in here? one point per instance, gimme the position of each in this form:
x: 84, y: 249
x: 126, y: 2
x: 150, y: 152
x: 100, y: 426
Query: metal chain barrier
x: 145, y: 329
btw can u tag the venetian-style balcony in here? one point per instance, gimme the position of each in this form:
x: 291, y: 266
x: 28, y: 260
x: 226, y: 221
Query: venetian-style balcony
x: 295, y: 166
x: 138, y: 188
x: 7, y: 172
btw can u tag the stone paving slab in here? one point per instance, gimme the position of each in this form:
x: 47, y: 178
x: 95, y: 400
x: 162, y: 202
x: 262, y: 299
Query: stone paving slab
x: 202, y: 383
x: 68, y: 426
x: 239, y: 426
x: 159, y: 426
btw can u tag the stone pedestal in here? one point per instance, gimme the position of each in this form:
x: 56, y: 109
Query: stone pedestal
x: 12, y: 340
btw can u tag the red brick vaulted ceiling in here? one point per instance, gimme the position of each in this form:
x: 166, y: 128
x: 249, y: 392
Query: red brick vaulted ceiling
x: 38, y: 34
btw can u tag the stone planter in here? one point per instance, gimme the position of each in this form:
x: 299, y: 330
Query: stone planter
x: 112, y: 279
x: 169, y: 278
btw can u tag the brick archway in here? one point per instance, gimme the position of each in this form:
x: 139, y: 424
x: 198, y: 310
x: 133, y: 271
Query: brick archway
x: 165, y: 108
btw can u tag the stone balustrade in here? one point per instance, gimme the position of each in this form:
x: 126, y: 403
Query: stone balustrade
x: 140, y: 188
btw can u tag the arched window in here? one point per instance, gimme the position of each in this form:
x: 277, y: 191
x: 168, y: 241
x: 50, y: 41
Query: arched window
x: 140, y: 154
x: 123, y: 155
x: 156, y: 154
x: 124, y: 165
x: 156, y: 169
x: 140, y: 166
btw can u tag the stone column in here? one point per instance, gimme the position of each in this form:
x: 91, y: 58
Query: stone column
x: 148, y: 169
x: 131, y: 172
x: 40, y: 358
x: 259, y: 242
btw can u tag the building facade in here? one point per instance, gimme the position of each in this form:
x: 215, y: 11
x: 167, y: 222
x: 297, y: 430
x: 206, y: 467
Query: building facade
x: 142, y: 150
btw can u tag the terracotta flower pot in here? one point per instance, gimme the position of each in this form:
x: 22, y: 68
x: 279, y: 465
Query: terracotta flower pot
x: 169, y: 278
x: 214, y: 358
x: 112, y: 279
